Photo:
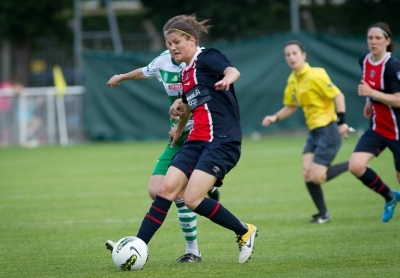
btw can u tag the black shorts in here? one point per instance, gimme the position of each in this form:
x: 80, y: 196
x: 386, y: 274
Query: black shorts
x: 324, y: 143
x: 214, y: 158
x: 372, y: 142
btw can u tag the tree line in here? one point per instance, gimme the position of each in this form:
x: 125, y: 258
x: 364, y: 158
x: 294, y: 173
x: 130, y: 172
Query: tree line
x: 23, y: 21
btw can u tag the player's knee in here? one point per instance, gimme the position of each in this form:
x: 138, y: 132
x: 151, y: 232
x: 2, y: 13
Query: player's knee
x: 306, y: 174
x: 152, y: 194
x: 356, y: 168
x: 192, y: 202
x: 318, y: 179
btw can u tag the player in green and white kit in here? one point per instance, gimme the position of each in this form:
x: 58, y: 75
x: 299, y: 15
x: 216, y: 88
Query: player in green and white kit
x: 167, y: 71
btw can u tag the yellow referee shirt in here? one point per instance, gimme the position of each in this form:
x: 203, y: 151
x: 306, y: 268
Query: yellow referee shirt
x: 312, y: 90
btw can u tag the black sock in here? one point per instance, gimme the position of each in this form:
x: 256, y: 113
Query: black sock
x: 214, y: 211
x: 374, y: 182
x: 317, y: 196
x: 336, y: 170
x: 154, y: 218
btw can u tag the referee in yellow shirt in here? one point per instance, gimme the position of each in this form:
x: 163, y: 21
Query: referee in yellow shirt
x: 324, y: 110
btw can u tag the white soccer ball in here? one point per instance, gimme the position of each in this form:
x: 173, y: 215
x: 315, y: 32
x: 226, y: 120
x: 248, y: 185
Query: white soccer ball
x: 130, y: 253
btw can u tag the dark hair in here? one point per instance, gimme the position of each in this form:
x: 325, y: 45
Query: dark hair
x: 386, y: 32
x: 173, y: 20
x: 187, y: 25
x: 296, y: 42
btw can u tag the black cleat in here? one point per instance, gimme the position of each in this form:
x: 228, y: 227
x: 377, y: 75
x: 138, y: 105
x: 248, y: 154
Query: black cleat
x: 189, y: 258
x: 110, y: 245
x: 320, y: 219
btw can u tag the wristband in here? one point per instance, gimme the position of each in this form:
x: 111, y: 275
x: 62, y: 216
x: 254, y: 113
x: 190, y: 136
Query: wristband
x: 341, y: 118
x: 277, y: 117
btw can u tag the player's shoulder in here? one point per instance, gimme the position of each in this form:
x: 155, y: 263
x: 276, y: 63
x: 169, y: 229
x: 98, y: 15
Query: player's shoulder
x: 318, y: 72
x: 393, y: 60
x: 393, y: 66
x: 207, y: 52
x: 165, y: 55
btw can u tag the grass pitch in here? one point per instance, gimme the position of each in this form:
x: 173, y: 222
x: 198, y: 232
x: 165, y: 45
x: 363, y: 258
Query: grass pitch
x: 59, y: 205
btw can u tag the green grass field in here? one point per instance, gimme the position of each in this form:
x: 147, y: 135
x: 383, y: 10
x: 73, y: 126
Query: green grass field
x: 59, y: 205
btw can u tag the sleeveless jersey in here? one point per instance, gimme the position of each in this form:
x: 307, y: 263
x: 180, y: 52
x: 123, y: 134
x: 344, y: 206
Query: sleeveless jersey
x: 216, y: 113
x: 384, y: 76
x: 167, y: 71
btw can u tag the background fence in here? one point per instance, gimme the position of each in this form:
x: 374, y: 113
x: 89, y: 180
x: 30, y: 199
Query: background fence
x: 37, y: 116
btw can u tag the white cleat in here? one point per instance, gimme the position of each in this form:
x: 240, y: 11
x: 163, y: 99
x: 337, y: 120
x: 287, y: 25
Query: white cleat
x: 246, y: 243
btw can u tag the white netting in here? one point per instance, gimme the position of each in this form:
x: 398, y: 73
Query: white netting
x: 37, y: 116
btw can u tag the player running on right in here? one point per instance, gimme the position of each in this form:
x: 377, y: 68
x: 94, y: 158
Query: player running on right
x: 380, y: 84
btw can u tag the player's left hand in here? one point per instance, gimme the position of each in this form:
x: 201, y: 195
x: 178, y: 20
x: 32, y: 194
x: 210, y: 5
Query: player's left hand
x: 364, y: 89
x: 344, y: 130
x: 222, y: 84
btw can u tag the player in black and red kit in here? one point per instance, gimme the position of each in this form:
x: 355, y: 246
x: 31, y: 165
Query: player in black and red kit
x: 213, y: 146
x: 380, y: 83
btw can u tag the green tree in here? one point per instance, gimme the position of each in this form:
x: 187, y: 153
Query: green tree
x: 22, y: 21
x: 237, y: 18
x: 231, y: 19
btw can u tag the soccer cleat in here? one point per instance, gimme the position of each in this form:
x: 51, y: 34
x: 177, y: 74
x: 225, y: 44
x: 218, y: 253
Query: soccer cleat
x: 214, y: 193
x: 246, y: 243
x: 320, y: 219
x: 189, y: 258
x: 388, y: 209
x: 110, y: 245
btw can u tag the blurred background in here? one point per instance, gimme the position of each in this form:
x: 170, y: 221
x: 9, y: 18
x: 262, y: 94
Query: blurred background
x: 91, y: 40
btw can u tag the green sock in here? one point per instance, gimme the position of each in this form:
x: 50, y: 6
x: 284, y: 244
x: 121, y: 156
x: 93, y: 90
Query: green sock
x: 188, y: 222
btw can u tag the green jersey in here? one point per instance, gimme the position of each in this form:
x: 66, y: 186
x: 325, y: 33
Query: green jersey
x: 168, y: 72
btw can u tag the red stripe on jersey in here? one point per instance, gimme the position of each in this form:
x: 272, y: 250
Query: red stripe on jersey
x: 203, y: 124
x: 373, y: 72
x: 384, y: 121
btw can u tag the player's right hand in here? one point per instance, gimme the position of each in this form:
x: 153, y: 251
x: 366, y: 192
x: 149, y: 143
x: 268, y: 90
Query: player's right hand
x: 174, y: 135
x: 114, y: 81
x: 176, y: 110
x: 268, y: 120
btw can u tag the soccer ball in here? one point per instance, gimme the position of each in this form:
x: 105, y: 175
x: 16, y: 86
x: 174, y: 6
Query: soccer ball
x: 130, y: 253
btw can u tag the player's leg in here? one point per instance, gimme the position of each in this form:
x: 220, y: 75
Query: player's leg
x: 174, y: 182
x: 326, y: 142
x: 222, y: 158
x: 315, y: 190
x: 370, y: 145
x: 187, y: 218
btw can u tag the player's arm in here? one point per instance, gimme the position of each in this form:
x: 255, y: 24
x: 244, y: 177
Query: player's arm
x: 368, y: 109
x: 341, y: 112
x: 136, y: 74
x: 389, y: 99
x: 176, y: 132
x: 285, y: 112
x: 231, y: 74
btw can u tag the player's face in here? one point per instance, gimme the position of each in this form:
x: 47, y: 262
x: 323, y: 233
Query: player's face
x: 295, y: 58
x: 377, y: 42
x: 181, y: 48
x: 165, y: 36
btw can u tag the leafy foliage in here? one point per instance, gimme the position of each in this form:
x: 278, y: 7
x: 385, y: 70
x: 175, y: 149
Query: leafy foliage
x: 236, y: 18
x: 24, y: 20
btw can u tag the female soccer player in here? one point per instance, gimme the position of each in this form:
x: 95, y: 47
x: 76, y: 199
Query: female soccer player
x: 380, y: 84
x: 167, y: 71
x: 324, y: 110
x: 213, y: 146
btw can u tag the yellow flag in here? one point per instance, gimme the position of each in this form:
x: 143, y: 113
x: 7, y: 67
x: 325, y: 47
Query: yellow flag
x: 59, y: 81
